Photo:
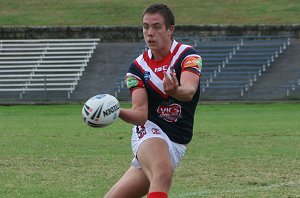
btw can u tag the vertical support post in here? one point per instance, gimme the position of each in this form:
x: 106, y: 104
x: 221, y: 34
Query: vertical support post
x: 45, y: 86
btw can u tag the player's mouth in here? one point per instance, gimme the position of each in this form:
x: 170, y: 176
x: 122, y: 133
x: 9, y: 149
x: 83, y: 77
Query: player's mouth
x: 151, y: 42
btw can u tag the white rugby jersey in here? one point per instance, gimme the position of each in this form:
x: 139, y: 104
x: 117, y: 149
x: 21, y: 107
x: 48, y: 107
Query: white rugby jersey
x: 175, y: 118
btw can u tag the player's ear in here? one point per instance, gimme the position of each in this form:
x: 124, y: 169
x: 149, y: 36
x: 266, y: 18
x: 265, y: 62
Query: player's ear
x: 171, y: 30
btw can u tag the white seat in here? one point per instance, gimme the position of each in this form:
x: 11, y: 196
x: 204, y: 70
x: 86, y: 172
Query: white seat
x: 43, y: 64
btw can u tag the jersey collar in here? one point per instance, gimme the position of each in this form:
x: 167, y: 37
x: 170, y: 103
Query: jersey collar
x: 174, y: 43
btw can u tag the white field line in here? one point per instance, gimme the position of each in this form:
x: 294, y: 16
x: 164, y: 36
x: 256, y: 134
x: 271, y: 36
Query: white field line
x: 242, y: 190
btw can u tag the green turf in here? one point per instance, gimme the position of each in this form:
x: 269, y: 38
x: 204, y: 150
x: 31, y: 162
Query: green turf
x: 238, y: 150
x: 123, y: 12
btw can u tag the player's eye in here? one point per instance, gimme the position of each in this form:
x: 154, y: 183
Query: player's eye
x: 156, y: 27
x: 146, y: 27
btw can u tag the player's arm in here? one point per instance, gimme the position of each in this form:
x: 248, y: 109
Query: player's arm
x: 189, y: 79
x: 138, y: 114
x: 187, y: 88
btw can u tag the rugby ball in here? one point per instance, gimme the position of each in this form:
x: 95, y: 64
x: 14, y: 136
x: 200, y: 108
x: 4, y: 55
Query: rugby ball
x: 100, y: 110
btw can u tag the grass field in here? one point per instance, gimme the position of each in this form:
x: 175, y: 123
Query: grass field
x: 238, y: 150
x: 123, y: 12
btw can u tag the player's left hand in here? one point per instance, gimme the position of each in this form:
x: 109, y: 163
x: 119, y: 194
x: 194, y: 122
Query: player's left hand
x: 170, y: 85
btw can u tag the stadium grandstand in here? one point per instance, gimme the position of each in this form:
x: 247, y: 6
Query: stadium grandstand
x: 234, y: 68
x: 43, y: 66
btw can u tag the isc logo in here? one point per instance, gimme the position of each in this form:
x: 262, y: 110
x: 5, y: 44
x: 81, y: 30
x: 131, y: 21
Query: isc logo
x: 161, y: 68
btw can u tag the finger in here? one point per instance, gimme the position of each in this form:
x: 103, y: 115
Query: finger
x: 166, y: 78
x: 166, y: 81
x: 173, y: 75
x: 174, y: 79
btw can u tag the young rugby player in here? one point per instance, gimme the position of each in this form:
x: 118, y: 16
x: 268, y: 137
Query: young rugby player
x: 164, y: 84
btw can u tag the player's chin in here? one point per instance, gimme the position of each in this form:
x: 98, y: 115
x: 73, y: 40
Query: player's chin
x: 152, y: 46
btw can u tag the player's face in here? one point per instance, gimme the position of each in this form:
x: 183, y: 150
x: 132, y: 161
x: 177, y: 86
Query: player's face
x: 156, y: 35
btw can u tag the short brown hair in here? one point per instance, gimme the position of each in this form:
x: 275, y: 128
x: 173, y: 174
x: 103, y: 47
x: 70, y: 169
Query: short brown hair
x: 164, y: 11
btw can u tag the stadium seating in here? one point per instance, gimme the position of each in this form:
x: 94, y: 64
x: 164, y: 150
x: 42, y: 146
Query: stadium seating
x: 43, y: 65
x: 292, y: 86
x: 241, y: 61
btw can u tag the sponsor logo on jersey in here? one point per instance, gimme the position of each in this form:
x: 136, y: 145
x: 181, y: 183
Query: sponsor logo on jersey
x: 193, y: 62
x: 131, y: 82
x: 170, y: 113
x: 161, y: 68
x: 200, y: 63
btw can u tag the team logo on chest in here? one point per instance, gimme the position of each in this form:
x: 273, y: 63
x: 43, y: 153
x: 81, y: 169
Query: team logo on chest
x: 147, y: 75
x: 169, y: 113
